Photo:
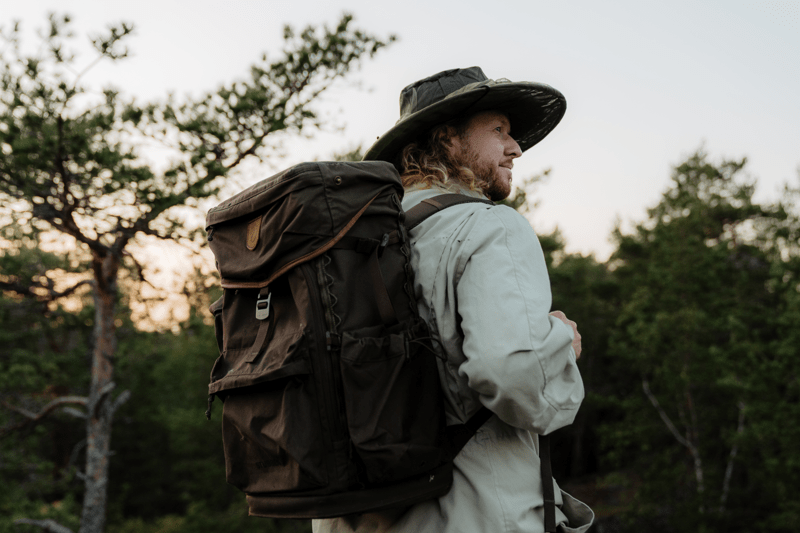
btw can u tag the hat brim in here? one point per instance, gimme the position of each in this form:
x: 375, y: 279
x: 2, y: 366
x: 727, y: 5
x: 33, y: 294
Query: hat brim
x: 533, y: 109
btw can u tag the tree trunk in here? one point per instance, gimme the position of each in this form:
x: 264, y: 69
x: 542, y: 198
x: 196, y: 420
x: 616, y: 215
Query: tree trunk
x: 101, y: 408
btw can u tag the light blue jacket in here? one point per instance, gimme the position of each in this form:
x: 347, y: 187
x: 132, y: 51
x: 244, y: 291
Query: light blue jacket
x: 482, y: 286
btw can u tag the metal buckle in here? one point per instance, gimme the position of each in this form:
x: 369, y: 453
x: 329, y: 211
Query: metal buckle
x: 262, y: 306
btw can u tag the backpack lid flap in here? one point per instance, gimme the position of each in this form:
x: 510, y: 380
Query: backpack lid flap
x: 293, y: 213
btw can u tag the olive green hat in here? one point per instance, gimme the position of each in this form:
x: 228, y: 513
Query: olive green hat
x: 533, y: 109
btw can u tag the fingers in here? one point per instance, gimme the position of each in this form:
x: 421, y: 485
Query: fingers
x: 576, y: 341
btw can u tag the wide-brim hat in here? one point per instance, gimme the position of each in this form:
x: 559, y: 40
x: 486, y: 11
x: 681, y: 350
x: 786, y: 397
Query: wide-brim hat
x: 533, y: 109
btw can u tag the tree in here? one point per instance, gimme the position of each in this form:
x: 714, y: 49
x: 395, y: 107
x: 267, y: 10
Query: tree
x: 71, y: 163
x: 700, y: 332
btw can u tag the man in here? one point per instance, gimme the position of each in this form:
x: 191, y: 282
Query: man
x: 483, y: 288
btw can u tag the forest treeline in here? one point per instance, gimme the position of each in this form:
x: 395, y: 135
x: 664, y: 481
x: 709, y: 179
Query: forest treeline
x: 690, y: 329
x: 691, y: 363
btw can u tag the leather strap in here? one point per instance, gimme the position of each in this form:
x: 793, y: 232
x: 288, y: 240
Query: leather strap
x: 547, y: 485
x: 230, y: 284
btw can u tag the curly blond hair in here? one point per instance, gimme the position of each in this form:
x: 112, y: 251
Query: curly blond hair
x: 428, y: 160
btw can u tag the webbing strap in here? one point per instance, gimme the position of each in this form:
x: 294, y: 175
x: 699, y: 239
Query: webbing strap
x: 547, y: 485
x: 458, y: 435
x: 429, y: 206
x: 261, y: 336
x: 382, y: 298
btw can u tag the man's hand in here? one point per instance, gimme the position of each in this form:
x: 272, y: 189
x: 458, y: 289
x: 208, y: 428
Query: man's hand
x: 576, y: 342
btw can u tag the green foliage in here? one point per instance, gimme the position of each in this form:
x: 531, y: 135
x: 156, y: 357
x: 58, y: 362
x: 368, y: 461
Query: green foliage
x: 169, y: 474
x: 170, y: 471
x: 74, y: 159
x: 44, y: 356
x: 700, y: 335
x: 354, y: 154
x: 690, y: 331
x: 72, y: 162
x: 588, y: 293
x: 199, y: 519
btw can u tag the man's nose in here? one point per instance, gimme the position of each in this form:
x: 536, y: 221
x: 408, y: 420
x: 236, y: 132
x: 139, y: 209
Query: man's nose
x: 512, y: 148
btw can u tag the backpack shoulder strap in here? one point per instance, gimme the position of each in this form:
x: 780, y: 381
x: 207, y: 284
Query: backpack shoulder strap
x: 458, y: 435
x: 430, y: 206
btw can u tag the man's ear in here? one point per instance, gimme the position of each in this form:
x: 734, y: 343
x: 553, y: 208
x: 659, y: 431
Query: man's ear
x: 454, y: 140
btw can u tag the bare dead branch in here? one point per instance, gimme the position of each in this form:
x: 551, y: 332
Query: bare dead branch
x: 48, y: 525
x: 73, y: 412
x: 35, y: 418
x: 123, y: 397
x: 73, y: 457
x: 96, y: 400
x: 21, y: 410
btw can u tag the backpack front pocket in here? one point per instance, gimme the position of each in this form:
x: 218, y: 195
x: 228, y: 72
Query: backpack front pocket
x: 393, y: 402
x: 270, y: 424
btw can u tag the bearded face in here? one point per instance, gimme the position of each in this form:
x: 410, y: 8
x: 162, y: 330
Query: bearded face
x: 486, y: 147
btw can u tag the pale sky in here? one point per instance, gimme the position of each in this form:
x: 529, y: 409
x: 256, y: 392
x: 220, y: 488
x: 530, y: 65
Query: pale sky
x: 646, y: 82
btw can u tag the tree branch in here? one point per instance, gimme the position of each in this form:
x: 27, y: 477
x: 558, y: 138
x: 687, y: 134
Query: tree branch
x: 123, y: 397
x: 698, y: 464
x: 94, y: 402
x: 664, y: 416
x: 726, y: 484
x: 139, y: 268
x: 19, y: 288
x: 73, y: 457
x: 70, y: 290
x: 74, y: 412
x: 52, y: 295
x: 35, y: 418
x: 48, y: 525
x: 71, y: 228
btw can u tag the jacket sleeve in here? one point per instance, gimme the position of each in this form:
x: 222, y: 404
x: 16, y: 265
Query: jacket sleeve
x: 519, y: 359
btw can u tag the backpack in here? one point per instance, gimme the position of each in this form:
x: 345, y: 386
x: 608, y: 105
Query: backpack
x: 332, y: 403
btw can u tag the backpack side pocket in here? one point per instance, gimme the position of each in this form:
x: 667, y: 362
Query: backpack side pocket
x: 396, y: 430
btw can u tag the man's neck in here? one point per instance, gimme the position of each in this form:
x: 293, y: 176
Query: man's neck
x: 449, y: 187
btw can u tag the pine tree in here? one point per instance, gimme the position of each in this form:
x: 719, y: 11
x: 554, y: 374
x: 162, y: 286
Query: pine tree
x: 71, y: 163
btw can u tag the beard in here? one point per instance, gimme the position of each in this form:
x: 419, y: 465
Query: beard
x: 487, y: 176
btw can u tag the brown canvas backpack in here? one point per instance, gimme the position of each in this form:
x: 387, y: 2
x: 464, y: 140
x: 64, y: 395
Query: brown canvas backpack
x: 332, y: 403
x: 330, y: 388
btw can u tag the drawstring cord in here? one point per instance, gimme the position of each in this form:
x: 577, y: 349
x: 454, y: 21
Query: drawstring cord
x: 419, y: 340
